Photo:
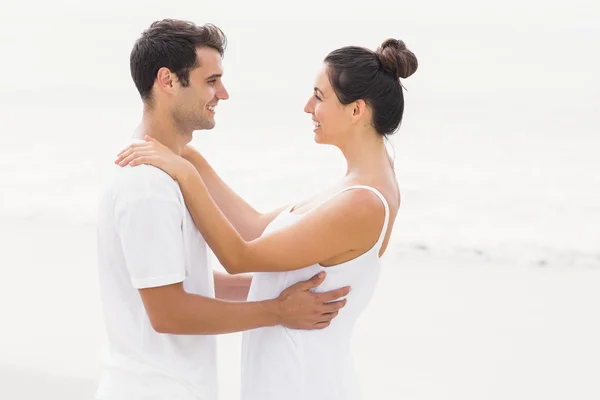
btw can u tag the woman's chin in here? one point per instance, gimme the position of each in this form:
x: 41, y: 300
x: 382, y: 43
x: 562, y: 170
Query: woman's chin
x: 318, y: 138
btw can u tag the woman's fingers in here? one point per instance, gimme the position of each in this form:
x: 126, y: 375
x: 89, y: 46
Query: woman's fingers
x: 148, y: 152
x: 135, y: 155
x: 152, y: 160
x: 127, y: 152
x: 135, y: 146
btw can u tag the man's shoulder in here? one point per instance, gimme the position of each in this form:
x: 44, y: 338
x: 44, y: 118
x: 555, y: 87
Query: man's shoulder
x: 143, y: 181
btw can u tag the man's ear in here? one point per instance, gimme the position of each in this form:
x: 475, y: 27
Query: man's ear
x: 166, y: 79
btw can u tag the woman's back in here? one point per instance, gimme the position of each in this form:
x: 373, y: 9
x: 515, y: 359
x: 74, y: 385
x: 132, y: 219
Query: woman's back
x: 280, y: 363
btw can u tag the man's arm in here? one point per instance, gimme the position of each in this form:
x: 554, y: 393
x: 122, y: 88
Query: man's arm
x: 171, y: 310
x: 232, y: 287
x: 149, y: 228
x: 249, y: 223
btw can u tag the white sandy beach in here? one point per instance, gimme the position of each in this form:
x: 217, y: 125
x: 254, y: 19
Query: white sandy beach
x: 438, y: 328
x: 490, y: 283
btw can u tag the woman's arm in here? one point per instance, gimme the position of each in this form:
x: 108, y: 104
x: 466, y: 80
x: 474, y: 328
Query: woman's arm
x: 245, y: 219
x: 338, y: 226
x: 342, y: 224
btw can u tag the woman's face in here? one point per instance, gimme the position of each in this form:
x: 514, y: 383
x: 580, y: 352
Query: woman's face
x: 330, y: 117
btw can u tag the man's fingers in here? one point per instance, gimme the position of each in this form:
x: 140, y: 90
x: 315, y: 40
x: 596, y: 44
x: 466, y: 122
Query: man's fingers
x: 329, y: 316
x: 333, y: 306
x: 333, y: 294
x: 325, y: 319
x: 321, y: 325
x: 311, y: 283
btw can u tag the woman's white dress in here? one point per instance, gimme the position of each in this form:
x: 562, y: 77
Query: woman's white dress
x: 287, y: 364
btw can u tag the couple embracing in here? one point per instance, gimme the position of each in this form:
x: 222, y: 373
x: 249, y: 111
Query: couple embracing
x: 297, y: 278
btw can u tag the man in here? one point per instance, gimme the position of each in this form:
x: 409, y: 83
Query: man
x: 157, y: 290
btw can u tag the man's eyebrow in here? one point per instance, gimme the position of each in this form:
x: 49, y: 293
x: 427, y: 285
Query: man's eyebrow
x: 214, y: 76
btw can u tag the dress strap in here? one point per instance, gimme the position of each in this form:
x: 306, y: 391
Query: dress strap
x: 372, y: 189
x: 385, y: 206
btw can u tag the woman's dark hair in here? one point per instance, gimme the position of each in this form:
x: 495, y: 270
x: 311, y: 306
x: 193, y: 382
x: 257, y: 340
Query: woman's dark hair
x: 172, y: 44
x: 374, y: 76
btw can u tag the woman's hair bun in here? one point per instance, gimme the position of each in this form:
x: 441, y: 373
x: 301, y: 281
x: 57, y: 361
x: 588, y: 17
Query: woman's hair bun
x: 397, y: 59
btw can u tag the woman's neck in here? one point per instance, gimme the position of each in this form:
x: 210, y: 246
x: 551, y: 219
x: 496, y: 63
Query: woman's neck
x: 365, y: 155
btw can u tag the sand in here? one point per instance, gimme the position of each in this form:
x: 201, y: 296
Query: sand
x: 440, y: 327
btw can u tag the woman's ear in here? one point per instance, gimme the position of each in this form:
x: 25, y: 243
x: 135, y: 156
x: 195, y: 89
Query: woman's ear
x: 359, y: 110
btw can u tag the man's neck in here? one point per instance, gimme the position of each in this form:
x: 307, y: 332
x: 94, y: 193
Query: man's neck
x: 163, y: 129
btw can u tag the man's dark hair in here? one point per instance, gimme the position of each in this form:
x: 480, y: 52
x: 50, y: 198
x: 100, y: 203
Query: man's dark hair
x: 172, y: 44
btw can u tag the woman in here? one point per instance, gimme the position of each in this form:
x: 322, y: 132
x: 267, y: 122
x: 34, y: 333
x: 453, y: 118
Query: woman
x: 357, y: 102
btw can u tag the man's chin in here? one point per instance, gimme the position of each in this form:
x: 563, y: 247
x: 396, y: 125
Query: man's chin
x: 206, y: 125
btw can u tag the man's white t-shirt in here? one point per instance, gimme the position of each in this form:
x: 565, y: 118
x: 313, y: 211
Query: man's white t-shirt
x: 147, y: 238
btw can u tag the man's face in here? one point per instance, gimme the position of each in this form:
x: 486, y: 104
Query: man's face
x: 194, y: 105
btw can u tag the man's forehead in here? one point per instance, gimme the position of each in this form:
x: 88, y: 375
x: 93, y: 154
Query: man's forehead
x: 208, y: 56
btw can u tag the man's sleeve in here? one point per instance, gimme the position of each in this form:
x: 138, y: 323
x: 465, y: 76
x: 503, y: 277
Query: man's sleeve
x: 151, y: 236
